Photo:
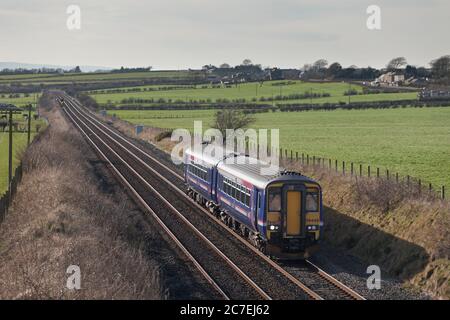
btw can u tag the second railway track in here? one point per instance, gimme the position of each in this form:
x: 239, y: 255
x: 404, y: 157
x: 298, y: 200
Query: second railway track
x: 235, y: 268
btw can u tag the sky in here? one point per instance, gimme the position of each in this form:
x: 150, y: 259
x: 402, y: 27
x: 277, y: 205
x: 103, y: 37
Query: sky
x: 180, y: 34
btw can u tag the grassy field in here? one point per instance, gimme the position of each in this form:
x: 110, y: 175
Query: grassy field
x: 19, y: 101
x: 95, y: 77
x: 19, y: 142
x: 411, y: 141
x: 252, y: 91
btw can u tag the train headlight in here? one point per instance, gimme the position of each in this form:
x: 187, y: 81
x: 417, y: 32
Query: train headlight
x: 312, y: 228
x: 274, y: 227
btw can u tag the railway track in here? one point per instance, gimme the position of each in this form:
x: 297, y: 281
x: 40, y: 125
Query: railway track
x: 233, y: 267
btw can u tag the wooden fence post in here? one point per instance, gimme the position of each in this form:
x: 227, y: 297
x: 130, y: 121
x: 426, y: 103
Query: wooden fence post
x: 296, y: 155
x: 336, y: 165
x: 368, y: 171
x: 378, y: 172
x: 443, y: 192
x: 360, y: 170
x: 387, y: 174
x: 351, y: 169
x: 329, y: 164
x: 343, y: 168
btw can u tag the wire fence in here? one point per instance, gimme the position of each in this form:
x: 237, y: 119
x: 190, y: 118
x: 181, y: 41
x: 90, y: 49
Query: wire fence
x: 7, y: 198
x: 352, y: 169
x: 357, y: 169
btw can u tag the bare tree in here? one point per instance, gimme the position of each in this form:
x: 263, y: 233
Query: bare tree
x: 225, y: 66
x: 396, y: 63
x: 440, y: 67
x: 306, y: 67
x: 231, y: 119
x: 247, y: 62
x: 320, y: 64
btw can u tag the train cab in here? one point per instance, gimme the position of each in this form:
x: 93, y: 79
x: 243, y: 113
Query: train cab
x: 293, y: 209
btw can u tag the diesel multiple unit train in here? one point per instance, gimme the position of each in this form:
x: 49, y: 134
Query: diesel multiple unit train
x: 280, y: 214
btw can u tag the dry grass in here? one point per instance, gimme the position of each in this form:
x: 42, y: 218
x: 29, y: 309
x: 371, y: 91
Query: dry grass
x: 389, y: 224
x: 61, y: 217
x: 155, y: 136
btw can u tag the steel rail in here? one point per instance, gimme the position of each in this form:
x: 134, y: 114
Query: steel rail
x: 261, y: 292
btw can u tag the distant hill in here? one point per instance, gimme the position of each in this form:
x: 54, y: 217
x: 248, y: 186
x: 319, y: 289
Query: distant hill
x: 20, y: 65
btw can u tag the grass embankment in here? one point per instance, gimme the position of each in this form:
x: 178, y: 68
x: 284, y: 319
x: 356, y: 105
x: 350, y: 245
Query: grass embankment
x: 410, y: 141
x: 69, y: 211
x: 407, y: 234
x: 254, y: 92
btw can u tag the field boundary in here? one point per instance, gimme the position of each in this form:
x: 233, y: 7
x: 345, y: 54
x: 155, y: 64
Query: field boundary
x: 7, y: 198
x: 358, y: 170
x: 264, y: 107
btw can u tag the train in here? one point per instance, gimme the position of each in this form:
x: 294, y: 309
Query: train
x: 280, y: 214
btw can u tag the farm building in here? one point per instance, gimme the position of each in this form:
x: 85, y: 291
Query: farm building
x: 389, y: 79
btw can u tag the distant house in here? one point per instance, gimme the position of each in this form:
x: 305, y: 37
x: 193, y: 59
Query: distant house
x: 391, y: 78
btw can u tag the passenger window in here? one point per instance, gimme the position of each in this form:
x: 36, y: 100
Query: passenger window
x: 274, y: 199
x: 312, y: 203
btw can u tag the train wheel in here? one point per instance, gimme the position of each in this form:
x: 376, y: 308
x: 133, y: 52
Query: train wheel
x: 262, y: 247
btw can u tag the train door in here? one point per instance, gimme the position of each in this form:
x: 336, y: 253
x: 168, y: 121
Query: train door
x: 257, y: 207
x: 293, y: 204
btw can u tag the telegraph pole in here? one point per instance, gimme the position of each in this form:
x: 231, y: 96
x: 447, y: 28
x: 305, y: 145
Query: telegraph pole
x: 10, y: 110
x: 29, y: 125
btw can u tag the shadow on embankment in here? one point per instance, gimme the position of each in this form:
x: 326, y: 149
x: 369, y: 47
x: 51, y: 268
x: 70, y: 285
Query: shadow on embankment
x: 396, y: 256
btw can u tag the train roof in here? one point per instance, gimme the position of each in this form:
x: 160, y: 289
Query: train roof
x: 243, y: 168
x: 206, y: 157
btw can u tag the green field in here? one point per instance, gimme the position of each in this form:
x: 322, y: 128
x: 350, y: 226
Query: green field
x: 19, y: 101
x: 411, y: 141
x: 96, y: 77
x: 19, y: 142
x: 254, y: 91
